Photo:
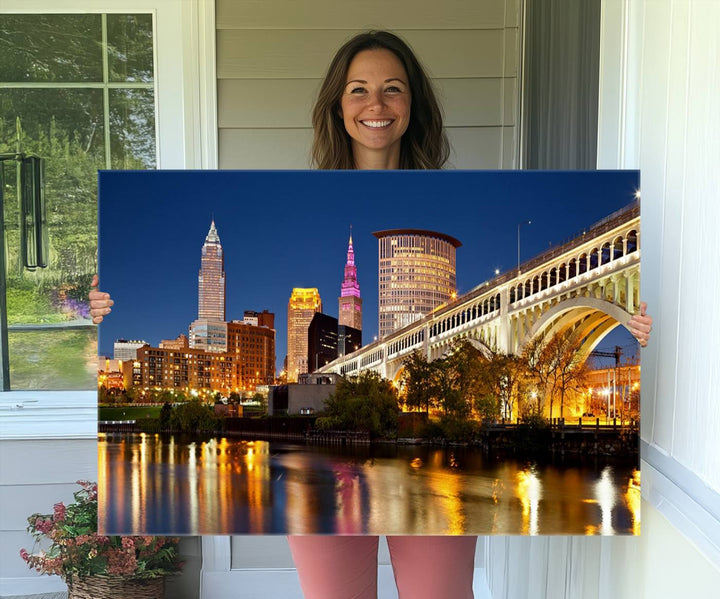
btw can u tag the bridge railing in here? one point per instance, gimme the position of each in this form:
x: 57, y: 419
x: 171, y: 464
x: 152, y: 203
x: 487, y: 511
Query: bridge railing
x: 574, y: 423
x: 608, y: 223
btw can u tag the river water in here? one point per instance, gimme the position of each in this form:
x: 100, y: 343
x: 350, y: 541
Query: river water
x: 170, y: 484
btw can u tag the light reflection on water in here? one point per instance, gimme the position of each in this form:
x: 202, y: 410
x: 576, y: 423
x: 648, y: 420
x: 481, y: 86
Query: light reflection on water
x: 171, y: 485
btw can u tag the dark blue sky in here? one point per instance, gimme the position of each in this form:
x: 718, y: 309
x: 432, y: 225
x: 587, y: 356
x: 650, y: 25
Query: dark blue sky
x: 285, y: 229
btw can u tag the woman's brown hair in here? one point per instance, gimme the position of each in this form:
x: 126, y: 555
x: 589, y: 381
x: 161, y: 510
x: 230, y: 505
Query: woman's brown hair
x: 424, y: 144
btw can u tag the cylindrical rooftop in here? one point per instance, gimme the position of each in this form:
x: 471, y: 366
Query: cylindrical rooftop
x: 389, y: 232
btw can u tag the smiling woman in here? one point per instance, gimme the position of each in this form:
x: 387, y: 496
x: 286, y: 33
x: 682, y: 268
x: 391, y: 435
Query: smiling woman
x: 364, y: 109
x: 375, y: 108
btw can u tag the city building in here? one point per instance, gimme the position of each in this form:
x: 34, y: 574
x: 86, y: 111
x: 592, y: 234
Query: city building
x: 307, y: 396
x: 124, y: 349
x: 186, y: 370
x: 179, y: 342
x: 253, y: 344
x: 110, y: 373
x: 416, y: 274
x: 211, y: 279
x: 262, y: 319
x: 303, y: 305
x: 208, y: 335
x: 209, y: 331
x: 322, y: 341
x: 350, y: 302
x: 327, y: 340
x: 349, y: 339
x: 612, y: 392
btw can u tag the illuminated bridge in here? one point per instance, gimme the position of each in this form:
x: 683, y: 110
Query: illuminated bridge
x: 590, y: 284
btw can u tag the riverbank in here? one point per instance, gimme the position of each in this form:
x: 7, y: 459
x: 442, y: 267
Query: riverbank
x: 514, y: 439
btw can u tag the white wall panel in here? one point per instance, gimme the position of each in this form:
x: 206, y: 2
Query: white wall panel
x: 274, y: 53
x: 20, y: 500
x: 265, y: 148
x: 48, y: 461
x: 698, y: 413
x: 475, y: 147
x: 325, y: 14
x: 660, y: 244
x: 252, y: 551
x: 266, y: 103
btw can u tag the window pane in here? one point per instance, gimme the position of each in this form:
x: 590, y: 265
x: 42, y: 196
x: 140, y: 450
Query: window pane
x: 50, y: 48
x: 130, y: 47
x: 132, y: 128
x: 53, y: 120
x: 66, y: 127
x: 53, y: 359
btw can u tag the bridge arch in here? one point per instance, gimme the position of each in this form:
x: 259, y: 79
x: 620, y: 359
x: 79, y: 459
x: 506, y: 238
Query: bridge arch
x: 593, y: 318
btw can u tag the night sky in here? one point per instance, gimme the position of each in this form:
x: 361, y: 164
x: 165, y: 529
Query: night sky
x: 285, y: 229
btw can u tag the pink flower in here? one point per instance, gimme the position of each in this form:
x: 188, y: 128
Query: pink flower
x: 121, y: 562
x: 44, y: 526
x: 128, y: 543
x: 59, y: 512
x: 24, y: 555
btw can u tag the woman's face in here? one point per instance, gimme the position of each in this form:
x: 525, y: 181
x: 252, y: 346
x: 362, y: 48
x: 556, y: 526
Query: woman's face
x: 375, y: 103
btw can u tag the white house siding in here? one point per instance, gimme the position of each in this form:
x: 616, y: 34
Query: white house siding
x: 271, y: 58
x: 660, y: 81
x: 34, y: 475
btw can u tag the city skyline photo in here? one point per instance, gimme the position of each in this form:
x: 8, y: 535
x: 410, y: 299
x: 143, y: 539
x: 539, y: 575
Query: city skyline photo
x: 216, y: 469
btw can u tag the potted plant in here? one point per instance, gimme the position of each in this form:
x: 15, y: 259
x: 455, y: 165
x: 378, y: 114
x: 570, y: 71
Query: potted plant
x: 97, y: 566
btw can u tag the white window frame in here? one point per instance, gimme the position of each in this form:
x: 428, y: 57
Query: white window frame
x: 186, y: 137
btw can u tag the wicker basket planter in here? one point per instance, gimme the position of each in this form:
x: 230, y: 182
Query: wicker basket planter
x: 116, y: 587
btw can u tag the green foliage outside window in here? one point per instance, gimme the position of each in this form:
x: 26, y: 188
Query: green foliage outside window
x: 76, y: 90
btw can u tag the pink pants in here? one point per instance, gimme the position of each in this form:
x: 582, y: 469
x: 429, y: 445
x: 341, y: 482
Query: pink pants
x: 345, y: 567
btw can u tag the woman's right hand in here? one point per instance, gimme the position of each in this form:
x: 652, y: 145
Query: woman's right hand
x: 99, y: 302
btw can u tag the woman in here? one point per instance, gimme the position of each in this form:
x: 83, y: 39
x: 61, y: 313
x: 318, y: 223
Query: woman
x: 377, y: 110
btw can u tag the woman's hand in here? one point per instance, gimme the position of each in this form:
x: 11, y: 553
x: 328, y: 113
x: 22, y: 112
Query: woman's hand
x: 99, y: 302
x: 640, y: 325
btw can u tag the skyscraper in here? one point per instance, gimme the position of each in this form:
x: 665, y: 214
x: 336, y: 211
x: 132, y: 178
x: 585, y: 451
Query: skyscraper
x: 209, y: 331
x: 416, y: 274
x: 350, y: 302
x: 301, y: 308
x: 211, y: 280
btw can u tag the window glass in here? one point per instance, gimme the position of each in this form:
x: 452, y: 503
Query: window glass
x: 80, y: 104
x: 38, y: 48
x: 130, y: 47
x: 132, y: 128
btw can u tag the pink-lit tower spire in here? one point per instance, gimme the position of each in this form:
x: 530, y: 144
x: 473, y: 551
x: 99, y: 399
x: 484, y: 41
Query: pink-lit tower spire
x: 350, y: 302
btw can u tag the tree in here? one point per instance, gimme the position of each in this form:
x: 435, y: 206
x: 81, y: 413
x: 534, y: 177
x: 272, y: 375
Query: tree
x: 504, y: 377
x: 192, y: 417
x: 363, y: 403
x: 461, y: 373
x: 419, y: 392
x: 165, y: 414
x: 557, y: 365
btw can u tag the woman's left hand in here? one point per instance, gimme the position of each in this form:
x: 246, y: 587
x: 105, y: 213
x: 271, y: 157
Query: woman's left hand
x: 640, y: 325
